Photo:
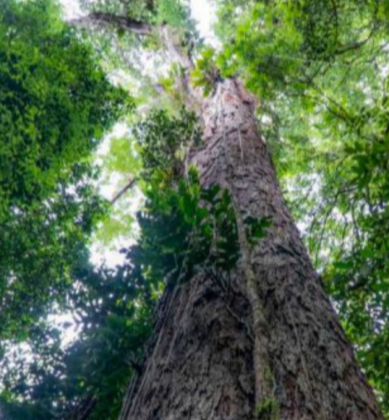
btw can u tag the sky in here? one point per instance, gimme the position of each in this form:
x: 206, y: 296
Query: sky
x: 204, y: 14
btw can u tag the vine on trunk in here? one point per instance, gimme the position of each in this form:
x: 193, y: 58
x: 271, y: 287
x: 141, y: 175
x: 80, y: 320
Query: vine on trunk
x: 184, y: 227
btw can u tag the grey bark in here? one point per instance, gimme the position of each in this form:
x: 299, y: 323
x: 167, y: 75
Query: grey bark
x: 201, y: 364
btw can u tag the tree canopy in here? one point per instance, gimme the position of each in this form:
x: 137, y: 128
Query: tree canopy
x: 56, y: 103
x: 319, y: 70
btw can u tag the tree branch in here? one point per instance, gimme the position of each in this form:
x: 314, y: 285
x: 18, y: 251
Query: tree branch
x: 352, y: 47
x: 356, y: 45
x: 123, y: 191
x: 105, y: 20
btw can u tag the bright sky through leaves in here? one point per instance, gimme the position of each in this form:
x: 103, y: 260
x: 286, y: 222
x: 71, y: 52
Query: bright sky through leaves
x: 202, y: 11
x: 204, y: 14
x: 318, y: 72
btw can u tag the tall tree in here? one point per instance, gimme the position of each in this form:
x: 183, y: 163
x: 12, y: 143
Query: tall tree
x: 269, y: 345
x: 323, y: 87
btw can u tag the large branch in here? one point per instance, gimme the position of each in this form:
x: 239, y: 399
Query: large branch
x: 105, y: 20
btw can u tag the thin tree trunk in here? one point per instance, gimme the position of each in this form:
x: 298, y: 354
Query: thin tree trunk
x: 214, y: 357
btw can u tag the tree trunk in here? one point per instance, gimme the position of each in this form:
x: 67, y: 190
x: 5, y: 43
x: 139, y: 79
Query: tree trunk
x: 205, y: 363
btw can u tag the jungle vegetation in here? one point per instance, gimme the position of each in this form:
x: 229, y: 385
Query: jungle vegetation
x: 319, y: 72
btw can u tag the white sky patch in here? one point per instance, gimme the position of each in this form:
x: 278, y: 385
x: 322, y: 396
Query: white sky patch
x: 68, y: 326
x: 72, y: 9
x: 203, y: 12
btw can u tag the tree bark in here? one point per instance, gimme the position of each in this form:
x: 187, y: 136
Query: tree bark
x: 208, y: 358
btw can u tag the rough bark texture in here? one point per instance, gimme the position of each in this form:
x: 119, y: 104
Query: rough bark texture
x: 201, y: 364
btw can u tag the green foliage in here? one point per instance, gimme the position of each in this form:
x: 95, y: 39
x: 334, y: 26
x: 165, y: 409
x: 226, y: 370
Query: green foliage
x: 165, y: 143
x: 271, y: 29
x: 119, y: 165
x: 174, y: 96
x: 168, y: 18
x: 184, y: 229
x: 173, y: 13
x: 268, y: 410
x: 91, y: 374
x: 319, y: 69
x: 206, y: 74
x: 255, y: 229
x: 123, y: 157
x: 55, y: 105
x: 280, y: 44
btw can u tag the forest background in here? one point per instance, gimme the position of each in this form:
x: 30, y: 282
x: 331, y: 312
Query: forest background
x: 89, y: 108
